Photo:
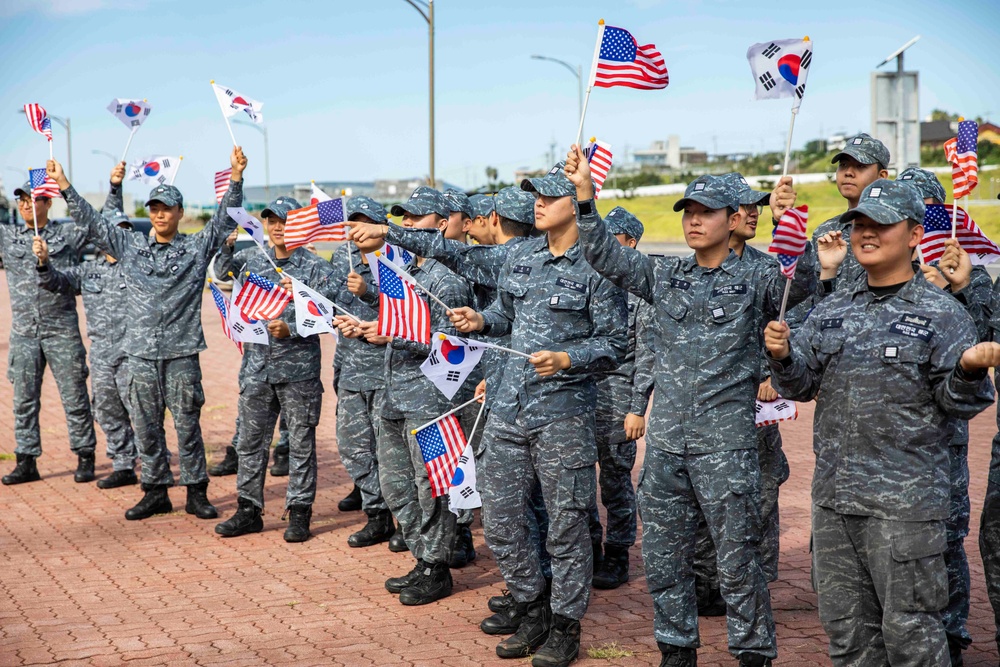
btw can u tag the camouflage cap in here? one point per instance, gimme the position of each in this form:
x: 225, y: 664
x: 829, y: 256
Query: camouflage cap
x: 515, y: 204
x: 482, y: 205
x: 166, y: 194
x: 119, y: 218
x: 280, y: 207
x: 553, y: 184
x: 423, y: 201
x: 888, y: 202
x: 367, y: 207
x: 747, y: 195
x: 925, y: 181
x: 24, y: 190
x: 712, y: 191
x: 866, y: 149
x: 458, y: 201
x: 620, y: 221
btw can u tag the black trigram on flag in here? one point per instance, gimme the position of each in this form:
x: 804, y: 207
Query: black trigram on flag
x: 772, y: 50
x: 165, y: 162
x: 239, y: 327
x: 453, y: 376
x: 258, y: 331
x: 807, y: 58
x: 466, y: 492
x: 800, y: 91
x: 767, y: 81
x: 462, y: 460
x: 309, y: 323
x: 433, y: 358
x: 781, y: 406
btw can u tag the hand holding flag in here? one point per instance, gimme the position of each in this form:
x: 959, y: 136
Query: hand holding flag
x: 599, y: 157
x: 223, y: 305
x: 450, y: 362
x: 789, y: 243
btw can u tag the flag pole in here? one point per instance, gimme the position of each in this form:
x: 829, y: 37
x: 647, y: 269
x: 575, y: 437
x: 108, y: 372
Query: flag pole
x: 475, y: 424
x: 174, y: 175
x: 51, y: 157
x: 34, y: 213
x: 224, y: 116
x: 491, y: 346
x: 450, y: 412
x: 406, y: 276
x: 129, y: 142
x: 590, y: 81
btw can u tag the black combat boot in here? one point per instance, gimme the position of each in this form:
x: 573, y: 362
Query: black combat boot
x: 280, y: 467
x: 379, y: 528
x: 463, y: 551
x: 396, y: 585
x: 754, y: 660
x: 156, y: 501
x: 614, y: 570
x: 118, y: 478
x: 228, y: 465
x: 499, y: 603
x: 507, y: 620
x: 677, y: 656
x: 562, y: 646
x: 24, y: 471
x: 711, y: 602
x: 197, y: 502
x: 84, y: 466
x: 246, y: 520
x: 532, y: 632
x: 351, y: 502
x: 299, y: 517
x: 397, y: 543
x: 432, y: 584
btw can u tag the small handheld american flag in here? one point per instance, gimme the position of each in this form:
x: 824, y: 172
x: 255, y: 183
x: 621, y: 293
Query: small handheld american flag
x: 962, y: 153
x: 222, y: 179
x: 622, y: 62
x: 38, y: 119
x: 599, y: 156
x: 323, y: 221
x: 261, y: 299
x: 441, y: 445
x: 789, y: 240
x: 402, y: 312
x: 223, y: 305
x: 937, y: 230
x: 42, y: 184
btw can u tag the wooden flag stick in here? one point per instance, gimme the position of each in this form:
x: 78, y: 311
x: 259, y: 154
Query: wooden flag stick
x: 406, y: 276
x: 129, y: 142
x: 224, y: 116
x: 492, y: 346
x: 784, y: 300
x: 590, y: 81
x: 475, y: 424
x: 450, y: 412
x: 180, y: 159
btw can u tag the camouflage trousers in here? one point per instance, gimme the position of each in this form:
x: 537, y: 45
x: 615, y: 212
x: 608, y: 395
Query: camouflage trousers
x: 282, y: 433
x: 616, y: 457
x: 356, y: 415
x: 260, y: 404
x: 26, y: 361
x: 774, y: 472
x: 158, y: 385
x: 989, y: 532
x: 956, y: 614
x: 562, y: 455
x: 110, y: 384
x: 428, y: 525
x: 881, y: 587
x: 674, y: 491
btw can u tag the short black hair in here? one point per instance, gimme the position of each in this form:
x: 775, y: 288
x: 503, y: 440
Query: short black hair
x: 514, y: 228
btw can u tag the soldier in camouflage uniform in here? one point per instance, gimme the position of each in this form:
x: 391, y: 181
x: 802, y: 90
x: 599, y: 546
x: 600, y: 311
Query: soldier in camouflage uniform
x: 904, y: 357
x: 45, y: 330
x: 411, y: 400
x: 542, y: 419
x: 283, y: 377
x: 701, y: 441
x: 622, y: 398
x: 229, y: 464
x: 989, y: 525
x: 104, y: 301
x: 165, y: 274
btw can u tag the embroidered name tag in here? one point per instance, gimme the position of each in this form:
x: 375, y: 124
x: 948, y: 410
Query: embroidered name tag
x: 917, y: 320
x: 725, y: 290
x: 911, y: 331
x: 144, y: 253
x: 680, y: 284
x: 571, y: 284
x: 525, y: 270
x: 174, y: 254
x: 831, y: 323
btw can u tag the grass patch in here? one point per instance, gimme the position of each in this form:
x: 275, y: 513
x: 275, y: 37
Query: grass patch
x: 4, y: 456
x: 609, y: 651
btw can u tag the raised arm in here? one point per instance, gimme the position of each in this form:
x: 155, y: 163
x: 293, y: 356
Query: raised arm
x: 114, y: 201
x: 106, y: 236
x: 222, y: 224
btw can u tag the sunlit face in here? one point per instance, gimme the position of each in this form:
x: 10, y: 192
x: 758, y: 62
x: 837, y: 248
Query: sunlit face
x: 453, y: 227
x: 707, y: 227
x: 478, y: 228
x: 165, y: 219
x: 883, y: 246
x: 853, y: 177
x: 39, y: 211
x: 275, y: 227
x: 429, y: 221
x: 746, y: 228
x: 553, y: 213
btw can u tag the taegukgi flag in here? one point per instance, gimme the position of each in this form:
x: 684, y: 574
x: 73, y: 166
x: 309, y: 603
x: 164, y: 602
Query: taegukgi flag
x: 154, y: 170
x: 245, y: 329
x: 132, y: 113
x: 313, y: 311
x: 233, y: 103
x: 462, y: 494
x: 450, y: 362
x: 247, y: 222
x: 780, y: 68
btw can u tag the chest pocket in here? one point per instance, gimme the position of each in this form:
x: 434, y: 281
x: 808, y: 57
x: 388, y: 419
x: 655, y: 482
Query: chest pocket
x: 58, y: 246
x: 515, y: 287
x: 92, y: 285
x: 905, y: 364
x: 570, y: 314
x: 17, y: 250
x: 730, y: 321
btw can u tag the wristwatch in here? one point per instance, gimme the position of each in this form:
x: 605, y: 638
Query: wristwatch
x: 586, y: 207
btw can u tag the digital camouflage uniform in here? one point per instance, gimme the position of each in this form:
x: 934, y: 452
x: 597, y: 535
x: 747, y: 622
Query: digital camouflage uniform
x: 45, y: 330
x: 165, y: 285
x: 701, y: 440
x: 989, y: 524
x: 881, y: 487
x: 104, y: 301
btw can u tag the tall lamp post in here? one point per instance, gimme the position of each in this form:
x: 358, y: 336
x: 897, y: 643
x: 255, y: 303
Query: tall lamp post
x: 69, y: 141
x: 575, y: 71
x: 267, y: 158
x: 111, y: 156
x: 426, y: 10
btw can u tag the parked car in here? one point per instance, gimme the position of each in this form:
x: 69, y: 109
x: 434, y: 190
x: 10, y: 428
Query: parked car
x: 139, y: 226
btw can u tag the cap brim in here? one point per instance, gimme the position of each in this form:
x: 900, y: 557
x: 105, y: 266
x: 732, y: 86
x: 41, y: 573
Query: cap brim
x: 402, y: 209
x: 21, y: 191
x: 713, y: 204
x: 162, y: 200
x: 879, y: 214
x: 271, y: 213
x: 863, y: 159
x: 545, y: 187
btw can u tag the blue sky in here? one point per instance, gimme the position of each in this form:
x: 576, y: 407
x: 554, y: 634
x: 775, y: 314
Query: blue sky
x: 344, y: 84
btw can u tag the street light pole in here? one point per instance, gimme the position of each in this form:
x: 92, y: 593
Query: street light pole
x: 267, y: 157
x: 69, y: 141
x: 428, y: 16
x: 575, y: 71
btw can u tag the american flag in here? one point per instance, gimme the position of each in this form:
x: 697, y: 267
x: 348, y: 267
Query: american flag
x: 38, y: 119
x: 441, y: 445
x: 789, y: 240
x: 961, y: 152
x: 260, y: 299
x: 223, y: 305
x: 937, y: 230
x: 622, y: 62
x: 222, y: 179
x: 402, y: 313
x: 42, y: 184
x: 599, y: 157
x: 323, y: 221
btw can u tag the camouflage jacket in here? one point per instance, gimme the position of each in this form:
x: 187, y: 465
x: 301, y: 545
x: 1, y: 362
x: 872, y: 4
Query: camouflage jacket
x: 626, y: 389
x: 361, y: 364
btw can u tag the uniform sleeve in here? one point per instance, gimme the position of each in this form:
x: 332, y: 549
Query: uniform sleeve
x: 226, y: 260
x: 453, y: 291
x: 95, y: 228
x: 626, y: 267
x: 222, y: 224
x: 66, y: 281
x: 605, y: 349
x: 478, y: 264
x: 976, y: 298
x: 956, y: 394
x: 498, y: 317
x: 114, y: 200
x: 803, y: 284
x: 798, y: 376
x: 642, y: 381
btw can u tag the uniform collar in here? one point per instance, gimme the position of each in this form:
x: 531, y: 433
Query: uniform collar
x: 911, y: 291
x: 729, y: 264
x: 573, y: 253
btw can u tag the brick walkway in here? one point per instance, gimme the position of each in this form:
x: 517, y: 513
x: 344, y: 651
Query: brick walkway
x: 80, y: 585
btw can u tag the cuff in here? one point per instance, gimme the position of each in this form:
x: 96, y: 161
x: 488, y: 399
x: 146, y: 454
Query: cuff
x: 969, y: 376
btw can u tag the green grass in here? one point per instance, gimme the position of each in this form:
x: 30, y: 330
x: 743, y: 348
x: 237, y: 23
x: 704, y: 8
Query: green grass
x: 664, y: 226
x: 609, y: 651
x: 4, y: 456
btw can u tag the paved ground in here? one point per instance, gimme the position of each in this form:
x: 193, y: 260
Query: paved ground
x: 80, y: 585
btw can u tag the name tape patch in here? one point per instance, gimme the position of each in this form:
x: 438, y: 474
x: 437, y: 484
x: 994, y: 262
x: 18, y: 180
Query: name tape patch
x: 726, y: 290
x: 571, y: 284
x: 525, y: 270
x: 680, y: 284
x: 831, y: 323
x: 923, y: 333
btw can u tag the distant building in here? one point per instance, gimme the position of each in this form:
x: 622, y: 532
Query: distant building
x: 935, y: 132
x: 669, y: 154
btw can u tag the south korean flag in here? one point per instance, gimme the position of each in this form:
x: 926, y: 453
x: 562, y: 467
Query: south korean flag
x: 772, y: 412
x: 313, y: 311
x: 450, y: 362
x: 244, y: 329
x: 780, y: 68
x: 132, y: 113
x: 462, y: 495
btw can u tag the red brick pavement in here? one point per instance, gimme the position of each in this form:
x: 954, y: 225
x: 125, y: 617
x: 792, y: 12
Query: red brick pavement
x: 80, y: 585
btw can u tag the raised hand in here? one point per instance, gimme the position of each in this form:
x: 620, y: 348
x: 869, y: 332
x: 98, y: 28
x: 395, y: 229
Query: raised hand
x: 118, y: 174
x: 782, y: 198
x: 55, y: 172
x: 776, y: 336
x: 831, y: 251
x: 956, y: 265
x: 365, y: 231
x: 577, y: 170
x: 238, y: 161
